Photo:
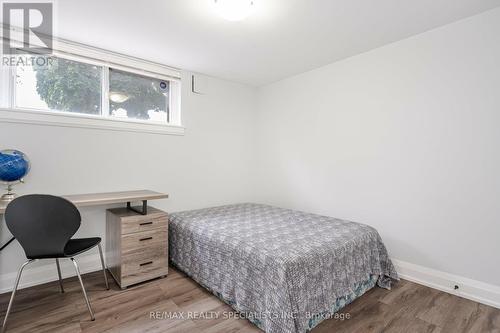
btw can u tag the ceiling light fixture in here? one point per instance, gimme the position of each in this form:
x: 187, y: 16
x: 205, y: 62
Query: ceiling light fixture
x: 234, y: 10
x: 118, y: 97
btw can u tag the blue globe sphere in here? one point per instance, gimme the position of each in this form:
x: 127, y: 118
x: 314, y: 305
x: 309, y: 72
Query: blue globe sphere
x: 14, y: 165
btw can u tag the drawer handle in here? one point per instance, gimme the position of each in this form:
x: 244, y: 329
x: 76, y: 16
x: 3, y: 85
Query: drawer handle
x: 145, y: 238
x: 146, y: 223
x: 146, y: 263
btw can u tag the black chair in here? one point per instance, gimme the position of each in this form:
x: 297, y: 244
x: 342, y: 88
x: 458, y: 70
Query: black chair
x: 44, y: 225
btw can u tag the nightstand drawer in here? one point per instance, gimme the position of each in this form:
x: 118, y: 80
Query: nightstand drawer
x: 131, y: 225
x: 144, y: 241
x: 136, y: 271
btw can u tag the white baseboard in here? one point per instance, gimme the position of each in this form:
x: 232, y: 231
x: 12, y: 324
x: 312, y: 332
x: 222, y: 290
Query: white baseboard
x: 45, y: 271
x: 471, y: 289
x: 478, y: 291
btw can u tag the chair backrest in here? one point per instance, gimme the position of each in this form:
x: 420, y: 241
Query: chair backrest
x: 42, y: 224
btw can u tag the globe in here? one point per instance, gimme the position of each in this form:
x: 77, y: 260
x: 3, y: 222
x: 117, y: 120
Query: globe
x: 14, y: 165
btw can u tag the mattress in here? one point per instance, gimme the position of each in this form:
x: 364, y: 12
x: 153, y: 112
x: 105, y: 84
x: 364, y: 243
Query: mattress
x: 282, y: 269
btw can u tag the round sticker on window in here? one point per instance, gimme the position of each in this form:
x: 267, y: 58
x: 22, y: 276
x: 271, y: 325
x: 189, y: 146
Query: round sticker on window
x: 163, y: 85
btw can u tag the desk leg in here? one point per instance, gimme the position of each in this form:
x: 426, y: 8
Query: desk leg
x: 144, y: 210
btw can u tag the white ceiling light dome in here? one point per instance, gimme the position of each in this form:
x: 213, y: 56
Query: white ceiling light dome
x: 234, y: 10
x: 118, y: 97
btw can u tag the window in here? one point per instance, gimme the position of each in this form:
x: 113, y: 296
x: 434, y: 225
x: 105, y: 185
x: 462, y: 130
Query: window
x: 138, y: 97
x: 59, y: 85
x: 85, y: 87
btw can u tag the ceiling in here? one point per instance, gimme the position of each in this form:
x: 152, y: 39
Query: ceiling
x: 281, y: 38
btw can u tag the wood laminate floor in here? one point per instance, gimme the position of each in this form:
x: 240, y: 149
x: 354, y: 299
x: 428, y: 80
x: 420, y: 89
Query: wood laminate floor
x: 409, y: 307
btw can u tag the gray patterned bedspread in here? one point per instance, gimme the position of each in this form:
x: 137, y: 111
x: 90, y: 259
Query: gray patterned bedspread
x: 277, y: 266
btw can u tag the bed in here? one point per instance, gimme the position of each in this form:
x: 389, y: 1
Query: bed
x: 283, y: 270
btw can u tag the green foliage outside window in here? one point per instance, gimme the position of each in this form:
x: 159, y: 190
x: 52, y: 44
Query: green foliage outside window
x: 72, y: 86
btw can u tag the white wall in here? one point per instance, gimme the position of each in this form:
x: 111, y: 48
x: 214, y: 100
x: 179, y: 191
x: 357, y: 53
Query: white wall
x: 404, y: 138
x: 210, y: 165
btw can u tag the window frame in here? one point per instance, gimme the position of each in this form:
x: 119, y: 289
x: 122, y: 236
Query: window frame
x: 107, y: 60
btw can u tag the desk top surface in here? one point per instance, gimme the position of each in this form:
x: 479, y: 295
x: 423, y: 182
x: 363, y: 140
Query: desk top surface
x: 96, y: 199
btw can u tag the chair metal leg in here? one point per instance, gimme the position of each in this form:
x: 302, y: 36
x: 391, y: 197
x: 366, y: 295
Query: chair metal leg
x: 59, y: 273
x: 103, y: 266
x: 83, y: 289
x: 4, y: 327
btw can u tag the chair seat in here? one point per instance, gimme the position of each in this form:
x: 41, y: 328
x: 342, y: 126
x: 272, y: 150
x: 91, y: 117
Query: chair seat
x: 72, y: 248
x: 78, y: 245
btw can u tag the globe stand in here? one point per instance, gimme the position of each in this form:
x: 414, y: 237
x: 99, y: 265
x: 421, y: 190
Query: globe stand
x: 7, y: 197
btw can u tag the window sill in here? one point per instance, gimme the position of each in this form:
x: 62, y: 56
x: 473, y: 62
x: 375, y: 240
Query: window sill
x: 85, y: 121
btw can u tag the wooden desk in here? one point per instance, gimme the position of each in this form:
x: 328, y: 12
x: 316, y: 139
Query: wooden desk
x: 136, y: 240
x: 96, y: 199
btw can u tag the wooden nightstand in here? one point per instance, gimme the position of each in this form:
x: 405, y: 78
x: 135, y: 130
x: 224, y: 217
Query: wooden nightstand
x: 136, y: 245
